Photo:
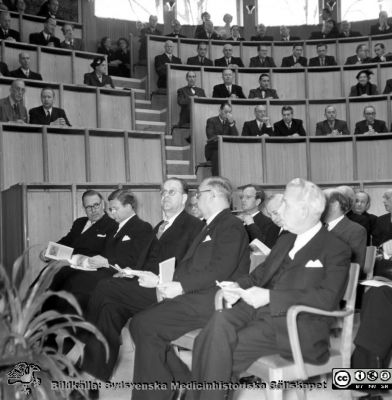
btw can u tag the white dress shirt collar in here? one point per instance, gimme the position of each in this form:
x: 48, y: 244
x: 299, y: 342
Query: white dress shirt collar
x: 303, y: 238
x: 210, y: 219
x: 170, y: 220
x: 122, y: 223
x: 333, y: 223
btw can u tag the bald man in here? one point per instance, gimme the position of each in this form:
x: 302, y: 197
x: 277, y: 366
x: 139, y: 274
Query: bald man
x: 160, y: 63
x: 12, y: 108
x: 261, y: 125
x: 228, y: 60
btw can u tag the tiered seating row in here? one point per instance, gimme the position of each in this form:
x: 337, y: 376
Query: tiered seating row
x: 38, y: 153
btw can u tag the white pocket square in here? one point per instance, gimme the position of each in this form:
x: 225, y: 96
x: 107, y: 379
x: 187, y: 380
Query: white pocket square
x: 125, y: 238
x: 101, y: 235
x: 207, y: 238
x: 314, y: 264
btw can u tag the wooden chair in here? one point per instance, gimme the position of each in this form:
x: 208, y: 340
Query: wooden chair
x: 370, y: 260
x: 274, y: 367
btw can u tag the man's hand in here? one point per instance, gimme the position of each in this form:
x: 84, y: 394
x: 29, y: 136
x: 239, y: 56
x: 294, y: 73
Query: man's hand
x: 42, y: 256
x: 248, y: 219
x: 335, y: 132
x: 233, y: 96
x: 229, y: 118
x: 11, y: 39
x: 148, y: 279
x: 58, y: 121
x: 98, y: 262
x: 125, y: 272
x: 295, y: 134
x: 256, y: 296
x: 267, y: 122
x: 230, y: 297
x: 170, y: 290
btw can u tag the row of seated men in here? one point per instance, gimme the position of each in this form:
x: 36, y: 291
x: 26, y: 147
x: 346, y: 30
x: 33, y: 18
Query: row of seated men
x: 49, y: 8
x: 312, y: 236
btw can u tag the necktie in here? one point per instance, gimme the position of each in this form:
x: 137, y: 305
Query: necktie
x: 48, y: 117
x: 228, y: 89
x: 322, y: 62
x: 16, y: 110
x: 193, y: 90
x: 161, y: 229
x: 27, y: 73
x: 263, y: 94
x: 5, y: 32
x: 202, y: 60
x: 228, y: 61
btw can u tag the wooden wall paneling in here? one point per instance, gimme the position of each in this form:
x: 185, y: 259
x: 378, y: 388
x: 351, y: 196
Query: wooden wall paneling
x: 285, y: 162
x: 275, y: 110
x: 331, y: 159
x: 82, y: 65
x: 115, y: 109
x: 311, y: 48
x: 376, y: 191
x: 350, y: 73
x: 216, y: 50
x: 56, y: 65
x: 240, y: 159
x: 324, y: 83
x: 11, y: 54
x: 289, y: 82
x: 243, y: 110
x: 249, y: 50
x: 385, y: 74
x: 148, y: 204
x: 107, y: 156
x: 282, y: 49
x: 248, y: 78
x: 347, y: 47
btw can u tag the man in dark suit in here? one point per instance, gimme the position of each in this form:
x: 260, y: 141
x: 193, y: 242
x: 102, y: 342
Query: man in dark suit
x: 228, y: 88
x: 257, y: 225
x: 289, y: 126
x: 285, y: 35
x: 49, y: 9
x: 322, y: 59
x: 331, y: 126
x: 388, y: 86
x: 382, y: 27
x: 381, y: 56
x: 98, y: 76
x: 296, y: 60
x: 306, y: 266
x: 176, y: 29
x: 24, y: 72
x: 264, y: 91
x: 223, y: 124
x: 370, y: 124
x: 220, y: 252
x: 4, y: 69
x: 12, y: 108
x: 345, y: 30
x: 260, y: 126
x: 228, y: 60
x: 47, y: 114
x: 150, y: 29
x: 338, y: 205
x: 205, y: 16
x: 261, y: 34
x: 361, y: 56
x: 208, y: 33
x: 46, y: 37
x: 114, y: 301
x: 184, y: 95
x: 201, y: 58
x: 160, y: 63
x: 70, y: 42
x: 272, y: 205
x: 262, y: 60
x: 327, y: 31
x: 6, y: 33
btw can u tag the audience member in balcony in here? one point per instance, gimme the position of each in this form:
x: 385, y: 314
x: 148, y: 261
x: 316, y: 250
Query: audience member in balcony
x: 388, y: 87
x: 98, y: 76
x: 121, y: 58
x: 235, y: 34
x: 261, y: 125
x: 381, y: 55
x: 49, y: 9
x: 296, y: 60
x: 361, y: 56
x: 263, y: 91
x: 184, y: 95
x: 382, y: 27
x: 46, y: 37
x: 201, y: 58
x: 262, y: 60
x: 289, y: 126
x: 176, y: 26
x: 228, y: 60
x: 208, y: 33
x: 328, y: 31
x: 4, y: 69
x: 370, y: 125
x: 363, y: 87
x: 70, y: 42
x: 345, y: 30
x: 6, y: 33
x: 322, y: 58
x: 47, y: 114
x: 24, y: 71
x: 331, y: 126
x: 12, y: 108
x: 106, y: 48
x: 359, y: 214
x: 150, y: 29
x: 225, y: 32
x: 228, y: 88
x: 285, y: 34
x: 192, y: 207
x: 160, y: 63
x: 261, y: 31
x: 223, y: 124
x: 201, y: 29
x: 15, y: 5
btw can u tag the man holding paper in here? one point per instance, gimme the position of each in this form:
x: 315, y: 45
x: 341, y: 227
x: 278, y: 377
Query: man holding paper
x: 308, y: 265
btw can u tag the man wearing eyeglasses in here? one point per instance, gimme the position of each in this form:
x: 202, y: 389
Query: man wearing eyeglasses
x: 12, y: 108
x: 370, y: 125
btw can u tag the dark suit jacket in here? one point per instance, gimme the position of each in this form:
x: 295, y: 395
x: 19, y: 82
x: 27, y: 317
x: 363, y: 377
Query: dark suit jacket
x: 92, y: 241
x: 354, y: 60
x: 315, y: 61
x: 91, y: 79
x: 195, y: 61
x: 293, y: 283
x: 38, y: 38
x: 175, y: 35
x: 368, y: 221
x: 202, y: 34
x: 11, y: 33
x: 183, y: 100
x: 323, y: 128
x: 174, y: 242
x: 280, y: 128
x: 18, y: 73
x: 125, y: 247
x: 320, y: 35
x: 257, y: 93
x: 289, y: 61
x: 292, y: 39
x: 221, y: 62
x: 77, y: 45
x: 143, y: 40
x: 362, y: 127
x: 355, y: 236
x: 356, y: 90
x: 267, y: 63
x: 221, y: 91
x: 377, y: 59
x: 258, y: 38
x: 37, y: 116
x: 214, y: 129
x: 351, y: 34
x: 160, y: 67
x: 259, y: 229
x: 4, y: 69
x: 7, y: 113
x: 375, y: 31
x: 388, y: 87
x: 382, y: 231
x: 44, y: 11
x: 251, y: 128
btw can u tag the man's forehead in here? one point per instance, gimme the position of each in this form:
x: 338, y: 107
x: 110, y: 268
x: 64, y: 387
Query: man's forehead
x: 171, y: 185
x: 91, y: 199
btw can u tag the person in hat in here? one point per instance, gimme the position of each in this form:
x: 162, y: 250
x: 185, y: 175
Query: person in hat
x: 98, y: 77
x: 363, y: 87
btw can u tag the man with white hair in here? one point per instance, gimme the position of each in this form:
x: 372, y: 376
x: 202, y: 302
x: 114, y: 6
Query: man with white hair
x: 160, y: 63
x: 307, y: 266
x: 228, y: 60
